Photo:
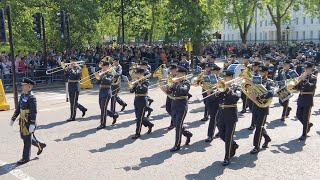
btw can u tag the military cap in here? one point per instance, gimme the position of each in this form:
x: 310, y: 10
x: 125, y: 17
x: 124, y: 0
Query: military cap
x: 246, y: 56
x: 215, y: 68
x: 172, y: 66
x: 287, y: 61
x: 139, y: 71
x: 212, y: 56
x: 183, y: 54
x: 175, y: 61
x: 233, y: 55
x: 74, y: 58
x: 268, y: 58
x: 105, y: 63
x: 27, y: 81
x: 256, y: 63
x: 115, y: 59
x: 263, y: 68
x: 309, y: 65
x: 227, y: 73
x: 182, y: 69
x: 144, y: 63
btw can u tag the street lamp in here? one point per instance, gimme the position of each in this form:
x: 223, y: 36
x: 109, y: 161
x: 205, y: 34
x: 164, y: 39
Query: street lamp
x: 287, y: 29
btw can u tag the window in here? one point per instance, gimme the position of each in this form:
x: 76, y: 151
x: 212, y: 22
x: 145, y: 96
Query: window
x: 311, y: 35
x: 297, y: 35
x: 261, y: 23
x: 311, y: 21
x: 232, y: 37
x: 250, y: 37
x: 266, y: 23
x: 262, y: 39
x: 297, y: 21
x: 224, y: 38
x: 304, y: 20
x: 265, y: 36
x: 303, y: 35
x: 228, y: 37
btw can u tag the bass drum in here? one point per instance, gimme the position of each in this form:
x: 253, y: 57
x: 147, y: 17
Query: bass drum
x: 237, y: 69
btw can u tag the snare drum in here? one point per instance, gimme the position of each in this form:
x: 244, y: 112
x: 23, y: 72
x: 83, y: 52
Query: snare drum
x: 284, y: 94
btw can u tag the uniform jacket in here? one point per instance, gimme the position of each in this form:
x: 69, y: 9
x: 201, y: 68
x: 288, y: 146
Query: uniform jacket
x: 74, y: 74
x: 282, y: 77
x: 141, y: 88
x: 307, y: 85
x: 227, y: 98
x: 268, y: 84
x: 105, y: 80
x: 179, y: 89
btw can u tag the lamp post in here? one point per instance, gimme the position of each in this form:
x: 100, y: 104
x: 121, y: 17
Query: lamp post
x: 287, y: 29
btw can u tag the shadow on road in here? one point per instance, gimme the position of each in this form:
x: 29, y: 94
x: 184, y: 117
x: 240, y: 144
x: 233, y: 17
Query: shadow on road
x: 116, y: 145
x: 126, y: 112
x: 242, y: 134
x: 275, y: 123
x: 5, y: 169
x: 216, y: 169
x: 78, y: 135
x: 275, y: 105
x: 159, y: 158
x: 316, y: 113
x: 290, y: 147
x: 197, y: 110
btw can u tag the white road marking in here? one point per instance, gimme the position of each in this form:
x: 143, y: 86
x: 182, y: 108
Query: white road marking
x: 18, y: 173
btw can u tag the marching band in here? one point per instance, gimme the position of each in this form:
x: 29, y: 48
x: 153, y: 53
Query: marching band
x: 257, y: 83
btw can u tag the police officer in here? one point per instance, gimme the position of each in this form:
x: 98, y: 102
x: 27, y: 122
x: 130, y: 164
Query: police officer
x: 306, y: 86
x: 213, y: 107
x: 73, y: 74
x: 115, y: 86
x: 283, y: 75
x: 27, y: 109
x: 140, y: 102
x: 179, y: 106
x: 104, y: 79
x: 259, y: 114
x: 228, y: 116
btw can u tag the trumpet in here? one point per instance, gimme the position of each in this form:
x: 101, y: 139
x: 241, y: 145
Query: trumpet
x: 177, y: 79
x: 133, y: 83
x: 63, y: 67
x: 96, y: 75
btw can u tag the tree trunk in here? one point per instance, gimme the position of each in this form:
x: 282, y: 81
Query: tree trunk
x: 119, y: 31
x: 152, y: 24
x: 278, y: 26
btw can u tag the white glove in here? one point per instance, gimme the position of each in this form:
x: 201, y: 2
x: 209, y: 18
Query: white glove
x: 11, y: 123
x: 31, y: 128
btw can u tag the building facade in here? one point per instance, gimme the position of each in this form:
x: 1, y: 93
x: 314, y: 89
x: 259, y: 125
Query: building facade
x: 301, y: 27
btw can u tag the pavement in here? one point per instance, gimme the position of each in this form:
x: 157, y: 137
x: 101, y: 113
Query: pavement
x: 76, y: 150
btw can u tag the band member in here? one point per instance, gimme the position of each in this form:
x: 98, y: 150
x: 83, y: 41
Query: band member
x: 173, y: 72
x: 283, y: 75
x: 259, y: 114
x: 115, y: 86
x: 179, y: 106
x: 104, y: 79
x: 184, y: 62
x: 267, y: 62
x: 255, y: 70
x: 245, y: 100
x: 205, y: 101
x: 140, y: 102
x: 231, y: 60
x: 306, y: 86
x: 228, y: 116
x: 213, y: 107
x: 27, y: 109
x: 147, y: 73
x: 176, y: 62
x: 73, y: 74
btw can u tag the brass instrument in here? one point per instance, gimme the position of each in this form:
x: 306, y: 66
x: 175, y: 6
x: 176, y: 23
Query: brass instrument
x: 63, y: 67
x: 133, y: 83
x: 97, y: 74
x: 198, y: 79
x: 178, y: 79
x: 291, y: 83
x: 131, y: 69
x: 105, y: 59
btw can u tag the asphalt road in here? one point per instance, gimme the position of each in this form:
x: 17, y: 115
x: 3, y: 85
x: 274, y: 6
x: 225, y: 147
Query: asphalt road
x: 76, y: 150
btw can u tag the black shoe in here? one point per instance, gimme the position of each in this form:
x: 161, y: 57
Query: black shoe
x: 254, y: 151
x: 266, y: 142
x: 288, y: 111
x: 226, y: 162
x: 309, y: 127
x: 136, y: 136
x: 235, y: 147
x: 204, y: 119
x: 40, y: 149
x: 84, y: 112
x: 150, y: 128
x: 188, y: 139
x: 70, y: 119
x: 217, y: 135
x: 123, y: 107
x: 282, y: 119
x: 149, y: 112
x: 243, y: 111
x: 208, y: 140
x: 101, y: 127
x: 189, y: 96
x: 22, y: 161
x: 150, y: 101
x: 115, y: 117
x: 170, y: 127
x: 174, y: 149
x: 251, y: 128
x: 303, y: 137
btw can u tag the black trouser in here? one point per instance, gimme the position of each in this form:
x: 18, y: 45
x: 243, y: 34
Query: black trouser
x: 103, y: 103
x: 28, y: 140
x: 149, y: 99
x: 226, y: 130
x: 245, y: 103
x: 73, y: 98
x: 115, y: 98
x: 260, y: 120
x: 168, y: 109
x: 213, y: 122
x: 285, y: 107
x: 206, y: 109
x: 303, y: 114
x: 178, y: 117
x: 141, y: 120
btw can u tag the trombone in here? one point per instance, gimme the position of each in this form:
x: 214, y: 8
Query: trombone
x: 96, y: 74
x: 133, y: 83
x: 63, y: 66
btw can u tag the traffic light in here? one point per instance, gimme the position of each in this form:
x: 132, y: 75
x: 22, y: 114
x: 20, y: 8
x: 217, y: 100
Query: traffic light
x: 3, y: 36
x: 219, y: 35
x: 37, y: 23
x: 62, y: 21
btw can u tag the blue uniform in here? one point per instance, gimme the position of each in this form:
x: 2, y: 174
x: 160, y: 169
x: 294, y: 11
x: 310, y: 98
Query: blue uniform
x: 27, y: 109
x: 104, y: 96
x: 140, y: 104
x: 305, y: 101
x: 283, y: 75
x: 115, y: 86
x: 213, y: 107
x: 179, y: 108
x: 259, y: 115
x: 74, y: 75
x: 184, y: 64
